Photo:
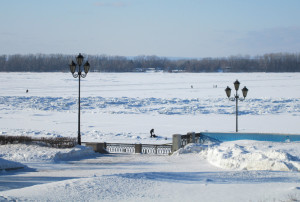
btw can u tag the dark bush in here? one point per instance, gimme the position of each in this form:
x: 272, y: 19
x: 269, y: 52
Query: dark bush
x: 57, y: 142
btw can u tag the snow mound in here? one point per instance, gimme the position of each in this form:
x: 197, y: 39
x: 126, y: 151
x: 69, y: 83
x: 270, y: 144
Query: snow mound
x: 10, y: 165
x: 249, y: 155
x: 77, y: 152
x: 36, y: 153
x: 103, y: 188
x: 196, y: 148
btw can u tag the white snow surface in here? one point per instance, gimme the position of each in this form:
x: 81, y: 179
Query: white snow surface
x: 123, y: 107
x: 249, y: 155
x: 10, y: 165
x: 36, y: 153
x: 193, y: 173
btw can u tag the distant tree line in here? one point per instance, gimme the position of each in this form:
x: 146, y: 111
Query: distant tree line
x: 274, y: 62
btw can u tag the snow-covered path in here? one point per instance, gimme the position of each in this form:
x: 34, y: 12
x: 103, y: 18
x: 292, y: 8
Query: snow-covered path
x: 131, y: 177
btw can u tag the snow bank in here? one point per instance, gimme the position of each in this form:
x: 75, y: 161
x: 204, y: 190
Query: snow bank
x: 75, y: 153
x: 10, y: 165
x: 103, y: 188
x: 249, y: 155
x: 36, y: 153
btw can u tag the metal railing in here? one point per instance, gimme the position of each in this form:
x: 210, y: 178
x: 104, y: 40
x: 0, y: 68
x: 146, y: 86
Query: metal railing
x: 120, y: 148
x: 139, y: 148
x: 156, y: 149
x: 192, y: 138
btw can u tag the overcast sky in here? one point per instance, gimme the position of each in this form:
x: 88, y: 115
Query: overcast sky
x: 171, y: 28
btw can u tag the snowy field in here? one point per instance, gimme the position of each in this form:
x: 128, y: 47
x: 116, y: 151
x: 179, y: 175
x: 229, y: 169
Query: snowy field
x: 123, y: 107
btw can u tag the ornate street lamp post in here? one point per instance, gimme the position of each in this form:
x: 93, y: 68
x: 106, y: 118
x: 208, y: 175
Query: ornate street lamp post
x: 236, y: 98
x: 79, y: 74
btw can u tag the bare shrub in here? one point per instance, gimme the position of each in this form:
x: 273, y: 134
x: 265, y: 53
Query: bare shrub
x: 57, y: 142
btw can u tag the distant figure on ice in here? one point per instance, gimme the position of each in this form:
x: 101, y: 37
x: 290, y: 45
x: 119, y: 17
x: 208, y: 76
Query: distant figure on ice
x: 192, y: 86
x: 152, y: 133
x: 27, y: 91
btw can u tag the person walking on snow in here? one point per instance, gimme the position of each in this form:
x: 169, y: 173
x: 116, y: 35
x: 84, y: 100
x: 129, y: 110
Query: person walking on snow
x: 152, y: 133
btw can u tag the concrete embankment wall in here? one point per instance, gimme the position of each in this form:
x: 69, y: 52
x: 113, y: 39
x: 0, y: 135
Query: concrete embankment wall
x: 252, y: 136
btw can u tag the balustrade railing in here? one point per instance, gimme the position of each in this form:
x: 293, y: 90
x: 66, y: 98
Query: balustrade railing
x: 120, y: 148
x: 131, y: 148
x: 156, y: 149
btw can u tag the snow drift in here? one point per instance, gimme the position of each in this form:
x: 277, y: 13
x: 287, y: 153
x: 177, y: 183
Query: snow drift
x: 10, y: 165
x: 36, y: 153
x: 249, y: 155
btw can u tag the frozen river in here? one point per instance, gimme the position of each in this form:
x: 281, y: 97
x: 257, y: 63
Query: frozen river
x: 123, y: 107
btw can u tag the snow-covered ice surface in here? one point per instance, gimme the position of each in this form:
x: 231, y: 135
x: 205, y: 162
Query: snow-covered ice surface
x: 123, y: 108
